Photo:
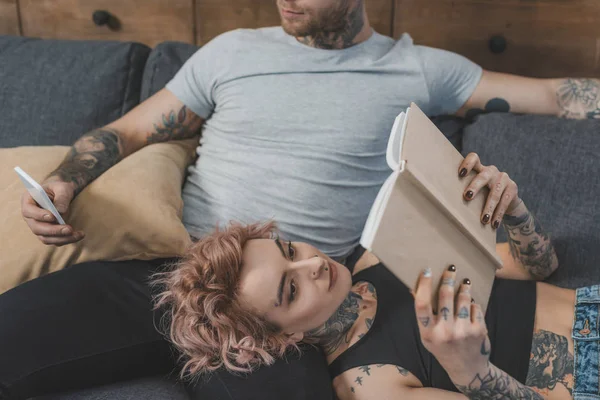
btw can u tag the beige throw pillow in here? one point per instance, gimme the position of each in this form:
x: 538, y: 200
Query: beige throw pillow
x: 132, y: 211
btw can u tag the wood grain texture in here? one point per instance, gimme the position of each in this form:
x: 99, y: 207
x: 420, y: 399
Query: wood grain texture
x: 214, y: 17
x: 545, y: 38
x: 146, y: 21
x: 9, y: 19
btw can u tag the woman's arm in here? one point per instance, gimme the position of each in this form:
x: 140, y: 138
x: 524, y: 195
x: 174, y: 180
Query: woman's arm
x: 530, y: 247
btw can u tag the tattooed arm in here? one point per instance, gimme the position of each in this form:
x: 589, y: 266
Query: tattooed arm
x: 159, y: 119
x: 569, y: 98
x: 530, y: 247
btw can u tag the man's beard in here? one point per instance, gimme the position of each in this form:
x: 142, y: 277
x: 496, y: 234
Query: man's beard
x: 332, y: 28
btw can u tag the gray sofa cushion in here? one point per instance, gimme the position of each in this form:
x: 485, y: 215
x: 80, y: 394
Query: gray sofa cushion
x: 556, y: 163
x: 163, y: 63
x: 53, y: 91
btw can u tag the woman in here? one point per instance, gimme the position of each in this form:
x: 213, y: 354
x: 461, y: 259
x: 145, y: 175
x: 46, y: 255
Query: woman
x: 242, y: 297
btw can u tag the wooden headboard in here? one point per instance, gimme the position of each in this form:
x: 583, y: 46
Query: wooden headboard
x: 543, y: 38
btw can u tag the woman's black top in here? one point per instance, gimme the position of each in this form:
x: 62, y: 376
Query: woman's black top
x: 394, y: 335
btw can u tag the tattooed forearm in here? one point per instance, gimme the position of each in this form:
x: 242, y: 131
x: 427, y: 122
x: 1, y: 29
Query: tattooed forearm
x: 550, y: 362
x: 90, y: 156
x: 182, y: 124
x: 579, y: 98
x: 529, y: 244
x: 495, y: 384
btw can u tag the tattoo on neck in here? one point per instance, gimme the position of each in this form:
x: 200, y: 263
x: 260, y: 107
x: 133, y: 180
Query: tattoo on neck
x: 341, y: 38
x: 334, y: 332
x: 496, y: 384
x: 579, y: 98
x: 90, y: 156
x: 530, y: 245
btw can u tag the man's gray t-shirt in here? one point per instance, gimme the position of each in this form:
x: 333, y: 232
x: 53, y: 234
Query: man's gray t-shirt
x: 298, y: 134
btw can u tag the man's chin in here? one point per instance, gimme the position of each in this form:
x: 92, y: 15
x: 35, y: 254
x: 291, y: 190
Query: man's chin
x: 292, y: 29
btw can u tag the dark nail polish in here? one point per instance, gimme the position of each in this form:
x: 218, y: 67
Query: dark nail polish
x: 486, y: 218
x: 472, y: 300
x: 452, y: 268
x: 467, y: 281
x: 470, y: 194
x: 463, y: 173
x: 496, y: 224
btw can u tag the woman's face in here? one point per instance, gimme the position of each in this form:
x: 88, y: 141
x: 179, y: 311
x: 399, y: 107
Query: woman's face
x: 294, y: 286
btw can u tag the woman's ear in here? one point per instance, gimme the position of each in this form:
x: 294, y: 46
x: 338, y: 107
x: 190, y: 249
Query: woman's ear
x: 295, y: 337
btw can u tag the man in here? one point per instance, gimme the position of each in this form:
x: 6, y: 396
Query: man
x: 294, y: 122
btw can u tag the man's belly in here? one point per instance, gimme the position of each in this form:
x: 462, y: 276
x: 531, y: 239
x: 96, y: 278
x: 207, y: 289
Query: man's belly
x: 551, y: 360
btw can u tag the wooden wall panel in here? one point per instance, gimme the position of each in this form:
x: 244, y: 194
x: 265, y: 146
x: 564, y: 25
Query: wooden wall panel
x: 9, y: 19
x: 146, y: 21
x: 544, y: 38
x: 214, y: 17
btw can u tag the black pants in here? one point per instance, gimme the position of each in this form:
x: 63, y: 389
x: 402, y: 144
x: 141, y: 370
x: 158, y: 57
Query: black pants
x: 92, y: 324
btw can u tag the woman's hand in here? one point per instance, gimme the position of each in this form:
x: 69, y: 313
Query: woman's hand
x: 504, y: 193
x: 456, y: 335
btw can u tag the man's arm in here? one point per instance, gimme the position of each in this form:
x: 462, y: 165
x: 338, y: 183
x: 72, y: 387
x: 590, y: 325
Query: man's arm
x: 576, y: 98
x: 159, y: 119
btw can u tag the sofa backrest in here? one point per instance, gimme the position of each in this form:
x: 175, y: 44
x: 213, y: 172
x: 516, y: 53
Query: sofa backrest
x: 53, y: 91
x: 163, y: 63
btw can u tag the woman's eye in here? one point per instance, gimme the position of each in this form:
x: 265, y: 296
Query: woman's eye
x: 292, y: 290
x: 291, y: 250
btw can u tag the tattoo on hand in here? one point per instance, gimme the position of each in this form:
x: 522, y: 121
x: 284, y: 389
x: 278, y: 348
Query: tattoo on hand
x: 463, y: 313
x: 90, y: 156
x: 445, y: 312
x: 497, y: 385
x: 484, y: 351
x: 550, y: 362
x: 424, y: 321
x: 530, y: 245
x: 448, y: 281
x: 579, y: 98
x: 175, y: 126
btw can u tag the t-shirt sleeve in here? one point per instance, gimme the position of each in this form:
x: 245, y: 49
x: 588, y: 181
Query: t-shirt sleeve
x: 195, y: 82
x: 451, y: 79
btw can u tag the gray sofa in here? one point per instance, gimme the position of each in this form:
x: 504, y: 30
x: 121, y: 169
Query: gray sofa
x: 51, y: 92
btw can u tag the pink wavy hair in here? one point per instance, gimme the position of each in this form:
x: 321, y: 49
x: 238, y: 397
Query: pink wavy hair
x: 207, y: 322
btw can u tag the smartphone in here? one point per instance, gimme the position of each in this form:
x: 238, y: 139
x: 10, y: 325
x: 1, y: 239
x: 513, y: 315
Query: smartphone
x: 39, y: 194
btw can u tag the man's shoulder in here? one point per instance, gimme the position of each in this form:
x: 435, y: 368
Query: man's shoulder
x: 250, y: 35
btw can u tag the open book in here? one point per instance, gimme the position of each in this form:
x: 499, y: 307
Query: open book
x: 420, y: 220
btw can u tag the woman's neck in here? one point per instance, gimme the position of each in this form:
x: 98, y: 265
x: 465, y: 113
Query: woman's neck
x: 336, y: 335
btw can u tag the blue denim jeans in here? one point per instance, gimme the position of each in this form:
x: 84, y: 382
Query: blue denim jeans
x: 586, y: 342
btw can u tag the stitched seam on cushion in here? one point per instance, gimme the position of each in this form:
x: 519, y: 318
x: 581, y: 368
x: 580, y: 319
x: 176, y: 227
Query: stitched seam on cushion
x: 87, y: 356
x: 128, y: 83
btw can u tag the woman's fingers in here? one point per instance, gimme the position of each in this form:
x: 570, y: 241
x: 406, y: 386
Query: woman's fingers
x: 497, y: 188
x: 511, y: 192
x: 470, y: 163
x: 446, y: 295
x: 463, y: 304
x: 481, y: 180
x: 423, y: 302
